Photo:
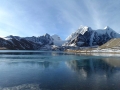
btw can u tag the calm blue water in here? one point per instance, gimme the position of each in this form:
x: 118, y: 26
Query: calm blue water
x: 45, y: 70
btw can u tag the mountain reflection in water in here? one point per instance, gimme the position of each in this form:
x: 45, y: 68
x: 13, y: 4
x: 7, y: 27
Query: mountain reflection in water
x: 97, y: 74
x: 58, y: 71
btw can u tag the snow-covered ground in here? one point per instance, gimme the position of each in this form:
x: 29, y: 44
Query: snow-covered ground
x: 115, y: 50
x: 109, y: 50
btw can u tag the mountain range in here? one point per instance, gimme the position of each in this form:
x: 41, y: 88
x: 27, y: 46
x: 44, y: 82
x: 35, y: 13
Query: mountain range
x: 83, y: 37
x: 86, y: 36
x: 26, y: 43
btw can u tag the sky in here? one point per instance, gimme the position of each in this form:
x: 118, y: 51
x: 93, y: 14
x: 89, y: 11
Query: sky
x: 62, y: 17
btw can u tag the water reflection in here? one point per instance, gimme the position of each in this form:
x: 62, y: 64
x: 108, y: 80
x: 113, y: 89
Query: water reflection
x: 99, y: 73
x: 58, y: 71
x: 90, y: 66
x: 30, y: 52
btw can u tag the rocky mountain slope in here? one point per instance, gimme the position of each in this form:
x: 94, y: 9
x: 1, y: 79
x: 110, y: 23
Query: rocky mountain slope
x: 85, y: 36
x: 113, y: 43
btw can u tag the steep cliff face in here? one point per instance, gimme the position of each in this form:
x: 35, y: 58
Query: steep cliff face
x: 85, y: 36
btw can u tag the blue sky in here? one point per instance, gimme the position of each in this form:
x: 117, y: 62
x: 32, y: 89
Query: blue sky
x: 62, y: 17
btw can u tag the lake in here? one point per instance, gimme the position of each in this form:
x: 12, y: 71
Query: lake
x: 46, y: 70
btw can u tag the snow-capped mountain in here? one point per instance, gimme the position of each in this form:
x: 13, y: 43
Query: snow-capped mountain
x: 26, y: 43
x: 85, y: 36
x: 43, y: 40
x: 57, y: 40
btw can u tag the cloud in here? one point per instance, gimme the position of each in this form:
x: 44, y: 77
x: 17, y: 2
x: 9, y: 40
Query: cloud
x: 103, y: 13
x: 69, y: 14
x: 28, y: 17
x: 17, y: 20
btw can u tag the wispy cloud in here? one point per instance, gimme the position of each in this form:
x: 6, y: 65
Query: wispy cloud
x: 28, y: 17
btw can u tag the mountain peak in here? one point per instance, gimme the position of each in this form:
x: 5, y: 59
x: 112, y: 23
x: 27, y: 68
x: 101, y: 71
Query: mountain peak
x: 46, y: 34
x: 107, y: 27
x: 81, y: 30
x: 56, y: 37
x: 81, y: 26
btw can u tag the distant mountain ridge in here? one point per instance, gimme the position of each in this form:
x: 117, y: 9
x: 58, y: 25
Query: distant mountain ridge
x: 44, y: 42
x: 26, y: 43
x: 85, y: 36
